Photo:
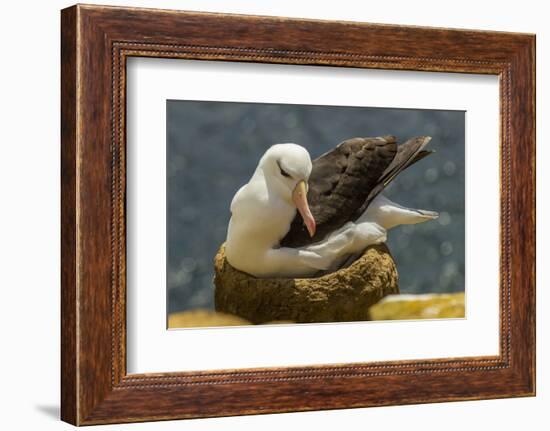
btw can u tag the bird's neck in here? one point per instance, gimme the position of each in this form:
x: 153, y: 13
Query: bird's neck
x: 263, y: 217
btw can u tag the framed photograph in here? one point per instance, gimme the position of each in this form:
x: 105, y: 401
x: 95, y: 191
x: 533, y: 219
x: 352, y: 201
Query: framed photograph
x: 265, y: 214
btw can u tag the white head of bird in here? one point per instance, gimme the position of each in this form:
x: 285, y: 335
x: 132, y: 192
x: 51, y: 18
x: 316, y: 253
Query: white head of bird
x: 286, y: 169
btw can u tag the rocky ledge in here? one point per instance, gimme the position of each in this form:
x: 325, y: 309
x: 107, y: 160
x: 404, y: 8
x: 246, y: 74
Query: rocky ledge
x: 426, y: 306
x: 202, y: 318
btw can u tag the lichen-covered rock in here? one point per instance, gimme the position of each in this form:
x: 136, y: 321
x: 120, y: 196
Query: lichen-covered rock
x: 342, y: 296
x: 427, y: 306
x: 203, y: 318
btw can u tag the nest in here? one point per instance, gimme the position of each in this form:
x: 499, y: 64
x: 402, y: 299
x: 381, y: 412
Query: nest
x: 344, y: 295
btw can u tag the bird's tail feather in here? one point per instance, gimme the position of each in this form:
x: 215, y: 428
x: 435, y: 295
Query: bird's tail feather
x: 429, y: 215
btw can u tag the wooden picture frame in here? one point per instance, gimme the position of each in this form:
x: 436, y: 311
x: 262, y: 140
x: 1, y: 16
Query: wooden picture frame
x: 95, y: 43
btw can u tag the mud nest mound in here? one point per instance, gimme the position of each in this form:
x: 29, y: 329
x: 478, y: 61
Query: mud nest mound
x: 341, y: 296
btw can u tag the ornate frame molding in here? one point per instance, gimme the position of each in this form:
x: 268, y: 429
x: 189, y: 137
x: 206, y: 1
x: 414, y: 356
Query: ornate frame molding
x: 96, y: 41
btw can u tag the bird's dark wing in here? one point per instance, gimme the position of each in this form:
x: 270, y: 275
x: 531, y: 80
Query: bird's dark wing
x: 340, y: 183
x: 408, y: 153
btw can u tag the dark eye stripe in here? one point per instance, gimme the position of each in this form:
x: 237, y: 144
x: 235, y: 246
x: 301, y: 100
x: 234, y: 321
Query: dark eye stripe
x: 283, y: 172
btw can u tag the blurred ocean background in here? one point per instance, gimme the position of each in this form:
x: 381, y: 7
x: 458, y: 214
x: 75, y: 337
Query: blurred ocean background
x: 214, y: 147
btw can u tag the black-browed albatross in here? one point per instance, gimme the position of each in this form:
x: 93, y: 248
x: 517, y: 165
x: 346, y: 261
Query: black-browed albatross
x: 295, y: 218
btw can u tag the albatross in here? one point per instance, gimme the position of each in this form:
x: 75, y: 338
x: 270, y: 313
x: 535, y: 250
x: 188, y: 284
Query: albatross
x: 297, y: 218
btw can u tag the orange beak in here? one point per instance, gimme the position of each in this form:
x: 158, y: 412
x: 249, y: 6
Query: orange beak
x: 299, y: 197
